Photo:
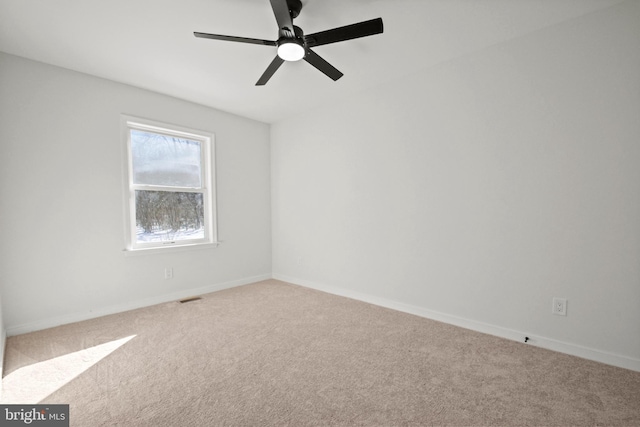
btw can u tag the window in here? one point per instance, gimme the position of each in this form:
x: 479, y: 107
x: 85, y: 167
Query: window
x: 170, y: 198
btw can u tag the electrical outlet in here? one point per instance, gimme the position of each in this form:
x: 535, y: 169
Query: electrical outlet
x: 559, y: 306
x: 168, y: 273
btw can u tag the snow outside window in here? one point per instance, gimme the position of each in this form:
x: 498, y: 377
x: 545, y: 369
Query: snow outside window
x: 170, y: 191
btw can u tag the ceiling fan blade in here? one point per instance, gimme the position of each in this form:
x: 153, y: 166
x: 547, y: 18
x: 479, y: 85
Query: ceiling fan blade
x: 314, y: 59
x: 272, y: 68
x: 234, y: 39
x: 348, y: 32
x: 283, y: 17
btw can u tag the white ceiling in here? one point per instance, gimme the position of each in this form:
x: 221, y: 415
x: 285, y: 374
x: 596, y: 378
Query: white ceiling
x: 150, y: 43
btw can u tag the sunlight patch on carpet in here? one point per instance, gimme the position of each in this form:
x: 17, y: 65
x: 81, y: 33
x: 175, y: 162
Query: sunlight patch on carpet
x: 31, y: 384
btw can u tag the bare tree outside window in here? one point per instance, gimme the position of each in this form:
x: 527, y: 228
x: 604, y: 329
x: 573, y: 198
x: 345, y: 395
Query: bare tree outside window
x: 163, y: 215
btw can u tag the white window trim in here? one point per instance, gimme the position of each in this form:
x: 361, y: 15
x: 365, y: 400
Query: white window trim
x: 208, y: 180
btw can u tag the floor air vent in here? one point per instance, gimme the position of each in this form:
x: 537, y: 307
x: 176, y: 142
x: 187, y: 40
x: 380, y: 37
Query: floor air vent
x: 182, y: 301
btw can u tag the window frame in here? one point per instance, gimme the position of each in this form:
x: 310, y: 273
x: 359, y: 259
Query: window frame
x: 207, y: 188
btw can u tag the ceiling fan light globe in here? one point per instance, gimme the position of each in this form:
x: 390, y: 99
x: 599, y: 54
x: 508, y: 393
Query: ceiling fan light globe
x: 290, y: 51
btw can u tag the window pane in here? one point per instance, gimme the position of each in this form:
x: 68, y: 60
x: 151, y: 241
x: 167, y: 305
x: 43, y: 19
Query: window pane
x: 168, y: 216
x: 165, y: 160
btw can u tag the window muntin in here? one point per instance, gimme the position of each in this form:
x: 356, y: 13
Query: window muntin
x: 170, y: 189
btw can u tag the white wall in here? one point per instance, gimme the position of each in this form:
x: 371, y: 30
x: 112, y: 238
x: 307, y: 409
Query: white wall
x: 61, y: 199
x: 477, y: 190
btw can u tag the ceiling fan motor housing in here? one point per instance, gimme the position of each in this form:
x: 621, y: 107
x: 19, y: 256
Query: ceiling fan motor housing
x: 295, y: 6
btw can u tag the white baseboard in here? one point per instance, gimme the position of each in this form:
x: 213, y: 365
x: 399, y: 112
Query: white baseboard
x: 132, y: 305
x: 538, y: 341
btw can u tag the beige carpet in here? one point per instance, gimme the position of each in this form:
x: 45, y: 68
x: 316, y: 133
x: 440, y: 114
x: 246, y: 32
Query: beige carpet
x: 276, y: 354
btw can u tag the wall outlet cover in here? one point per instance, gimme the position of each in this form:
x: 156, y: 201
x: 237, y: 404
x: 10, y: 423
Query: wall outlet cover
x: 559, y: 306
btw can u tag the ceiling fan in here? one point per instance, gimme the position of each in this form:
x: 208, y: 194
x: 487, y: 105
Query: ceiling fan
x: 293, y: 44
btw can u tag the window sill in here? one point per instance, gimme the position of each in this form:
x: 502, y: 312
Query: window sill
x: 170, y: 249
